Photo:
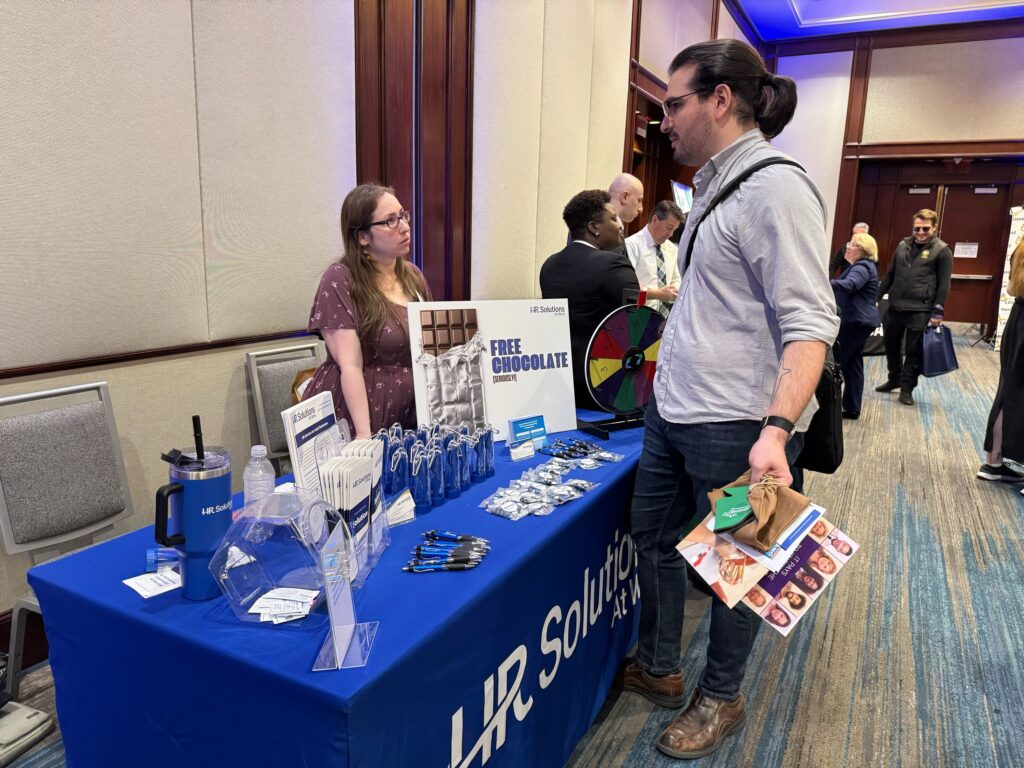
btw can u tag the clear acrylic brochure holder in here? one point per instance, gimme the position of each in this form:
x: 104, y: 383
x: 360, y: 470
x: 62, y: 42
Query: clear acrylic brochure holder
x: 275, y: 542
x: 348, y: 642
x: 375, y: 536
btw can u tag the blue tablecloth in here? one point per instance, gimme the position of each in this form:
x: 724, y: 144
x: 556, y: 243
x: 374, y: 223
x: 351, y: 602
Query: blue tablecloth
x: 508, y: 663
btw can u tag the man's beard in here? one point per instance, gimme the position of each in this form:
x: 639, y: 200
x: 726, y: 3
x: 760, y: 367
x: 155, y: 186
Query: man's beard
x: 691, y: 146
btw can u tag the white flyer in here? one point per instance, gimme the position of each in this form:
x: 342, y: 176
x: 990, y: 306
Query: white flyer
x: 313, y: 436
x: 152, y: 584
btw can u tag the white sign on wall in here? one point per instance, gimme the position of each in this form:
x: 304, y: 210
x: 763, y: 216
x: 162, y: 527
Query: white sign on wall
x: 478, y: 362
x: 965, y: 251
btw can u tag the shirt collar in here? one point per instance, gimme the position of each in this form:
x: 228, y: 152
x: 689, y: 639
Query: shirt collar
x: 719, y: 162
x: 648, y: 238
x: 589, y: 245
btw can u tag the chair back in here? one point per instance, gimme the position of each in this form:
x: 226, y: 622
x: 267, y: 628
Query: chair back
x: 271, y: 373
x: 62, y: 474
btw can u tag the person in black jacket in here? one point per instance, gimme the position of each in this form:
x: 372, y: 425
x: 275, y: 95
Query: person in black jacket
x: 856, y: 292
x: 918, y: 284
x: 591, y: 278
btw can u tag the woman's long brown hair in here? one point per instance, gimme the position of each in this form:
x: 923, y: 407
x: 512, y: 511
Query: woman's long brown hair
x: 373, y: 305
x: 1016, y: 286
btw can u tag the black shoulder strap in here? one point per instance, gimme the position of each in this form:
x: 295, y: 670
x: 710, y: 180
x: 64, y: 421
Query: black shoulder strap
x: 729, y: 188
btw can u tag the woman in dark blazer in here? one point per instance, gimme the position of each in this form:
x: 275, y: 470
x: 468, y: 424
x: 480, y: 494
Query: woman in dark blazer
x: 856, y: 292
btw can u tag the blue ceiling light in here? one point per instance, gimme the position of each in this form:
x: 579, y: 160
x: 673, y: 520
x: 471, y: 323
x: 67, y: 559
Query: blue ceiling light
x: 777, y: 20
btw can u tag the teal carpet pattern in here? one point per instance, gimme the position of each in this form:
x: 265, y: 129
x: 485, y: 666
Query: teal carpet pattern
x: 913, y: 657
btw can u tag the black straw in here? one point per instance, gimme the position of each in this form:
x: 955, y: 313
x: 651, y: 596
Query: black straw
x: 197, y: 429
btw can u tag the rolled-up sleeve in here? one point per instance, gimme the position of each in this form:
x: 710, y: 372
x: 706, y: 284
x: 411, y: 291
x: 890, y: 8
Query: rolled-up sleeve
x: 782, y: 243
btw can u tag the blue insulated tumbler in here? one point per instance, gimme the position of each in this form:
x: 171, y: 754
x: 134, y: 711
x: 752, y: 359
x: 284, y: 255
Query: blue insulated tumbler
x: 196, y: 505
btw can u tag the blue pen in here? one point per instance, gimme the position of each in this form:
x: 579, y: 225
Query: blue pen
x: 445, y: 555
x: 432, y: 547
x: 441, y: 552
x: 799, y: 532
x: 424, y: 567
x: 450, y: 536
x: 427, y: 560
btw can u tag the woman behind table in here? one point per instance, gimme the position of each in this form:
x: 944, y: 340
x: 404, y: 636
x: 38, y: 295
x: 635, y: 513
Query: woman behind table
x: 360, y: 310
x: 1004, y: 436
x: 856, y: 291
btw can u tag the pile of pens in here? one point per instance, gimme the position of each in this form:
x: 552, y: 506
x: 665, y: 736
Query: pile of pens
x: 447, y: 551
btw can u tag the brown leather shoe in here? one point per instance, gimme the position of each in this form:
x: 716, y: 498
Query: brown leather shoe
x: 701, y: 728
x: 664, y: 691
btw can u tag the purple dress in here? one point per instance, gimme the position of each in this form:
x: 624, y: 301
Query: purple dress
x: 387, y: 365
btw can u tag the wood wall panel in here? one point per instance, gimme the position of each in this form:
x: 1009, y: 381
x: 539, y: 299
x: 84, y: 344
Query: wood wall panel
x: 414, y: 100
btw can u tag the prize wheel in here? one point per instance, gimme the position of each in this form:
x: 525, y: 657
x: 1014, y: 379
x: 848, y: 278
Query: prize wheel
x: 621, y: 359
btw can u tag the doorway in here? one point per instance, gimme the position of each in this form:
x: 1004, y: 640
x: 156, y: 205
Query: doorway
x: 972, y: 197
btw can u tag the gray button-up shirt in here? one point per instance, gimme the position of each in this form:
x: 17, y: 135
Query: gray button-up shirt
x: 757, y: 281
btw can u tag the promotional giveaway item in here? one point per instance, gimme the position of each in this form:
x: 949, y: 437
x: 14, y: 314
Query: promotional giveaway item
x: 194, y: 510
x: 781, y: 582
x: 491, y: 361
x: 938, y: 355
x: 267, y: 565
x: 447, y: 551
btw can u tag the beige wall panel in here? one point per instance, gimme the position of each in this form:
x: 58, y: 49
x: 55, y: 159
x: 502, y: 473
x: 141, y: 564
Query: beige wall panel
x: 565, y: 119
x: 727, y: 26
x: 951, y: 92
x: 153, y: 404
x: 275, y: 92
x: 609, y: 88
x: 668, y: 26
x: 100, y: 239
x: 814, y: 137
x: 506, y: 147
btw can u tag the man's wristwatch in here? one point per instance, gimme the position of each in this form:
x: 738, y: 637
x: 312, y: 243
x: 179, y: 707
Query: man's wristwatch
x: 778, y: 421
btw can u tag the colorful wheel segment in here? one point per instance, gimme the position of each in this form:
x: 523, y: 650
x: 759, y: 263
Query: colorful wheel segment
x: 621, y: 359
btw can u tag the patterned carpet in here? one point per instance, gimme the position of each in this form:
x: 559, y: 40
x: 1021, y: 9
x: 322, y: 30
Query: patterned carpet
x: 915, y: 657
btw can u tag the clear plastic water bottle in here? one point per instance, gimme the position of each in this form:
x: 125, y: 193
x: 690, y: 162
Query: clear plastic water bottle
x: 258, y: 478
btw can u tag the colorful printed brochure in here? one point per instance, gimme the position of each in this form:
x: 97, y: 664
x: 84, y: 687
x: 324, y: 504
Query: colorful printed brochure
x: 783, y: 598
x: 737, y: 573
x: 729, y: 572
x: 778, y: 555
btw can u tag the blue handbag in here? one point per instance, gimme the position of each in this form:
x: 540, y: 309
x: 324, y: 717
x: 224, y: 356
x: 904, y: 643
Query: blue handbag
x: 938, y: 356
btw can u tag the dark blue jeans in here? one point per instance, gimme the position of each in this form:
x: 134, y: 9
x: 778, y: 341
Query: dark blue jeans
x: 679, y: 465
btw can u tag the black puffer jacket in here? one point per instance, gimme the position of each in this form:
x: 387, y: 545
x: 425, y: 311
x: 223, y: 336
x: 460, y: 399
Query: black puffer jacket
x: 918, y: 276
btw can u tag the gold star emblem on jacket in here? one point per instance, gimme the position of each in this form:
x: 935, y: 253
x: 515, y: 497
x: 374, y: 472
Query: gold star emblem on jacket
x: 924, y: 254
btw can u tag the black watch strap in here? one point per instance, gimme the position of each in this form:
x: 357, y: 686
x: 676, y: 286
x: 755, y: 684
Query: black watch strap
x: 780, y: 422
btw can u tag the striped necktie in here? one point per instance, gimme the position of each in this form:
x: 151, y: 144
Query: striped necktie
x: 662, y: 278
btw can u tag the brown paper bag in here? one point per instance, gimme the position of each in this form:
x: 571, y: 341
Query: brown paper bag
x: 775, y: 507
x: 300, y: 383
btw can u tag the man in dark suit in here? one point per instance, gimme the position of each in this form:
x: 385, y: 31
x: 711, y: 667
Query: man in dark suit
x: 588, y: 275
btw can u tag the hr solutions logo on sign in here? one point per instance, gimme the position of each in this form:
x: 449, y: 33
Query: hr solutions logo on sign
x: 615, y: 586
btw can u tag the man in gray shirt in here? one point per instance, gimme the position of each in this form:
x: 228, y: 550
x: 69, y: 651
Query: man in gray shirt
x: 740, y: 358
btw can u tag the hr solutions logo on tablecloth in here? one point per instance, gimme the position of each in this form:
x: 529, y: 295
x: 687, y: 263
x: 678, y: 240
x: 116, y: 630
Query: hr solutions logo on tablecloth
x: 610, y: 583
x: 477, y: 362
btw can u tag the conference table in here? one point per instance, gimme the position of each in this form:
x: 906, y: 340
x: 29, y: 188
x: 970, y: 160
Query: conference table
x: 506, y: 664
